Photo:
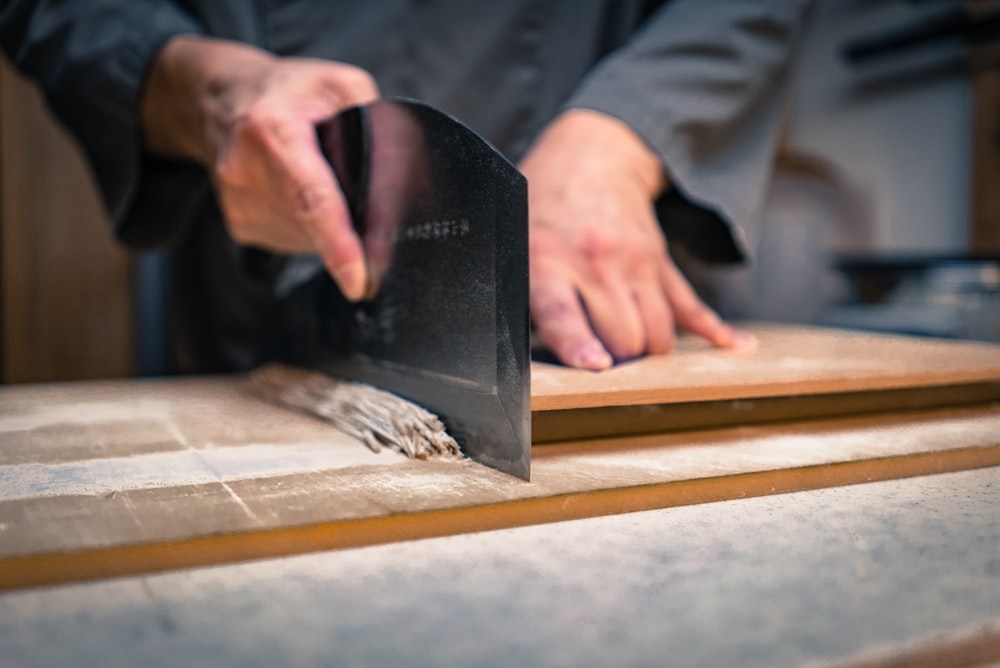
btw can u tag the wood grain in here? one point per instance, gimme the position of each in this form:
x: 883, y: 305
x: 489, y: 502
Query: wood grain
x: 65, y: 285
x: 984, y: 233
x: 610, y: 421
x: 795, y: 373
x: 112, y: 478
x: 789, y: 361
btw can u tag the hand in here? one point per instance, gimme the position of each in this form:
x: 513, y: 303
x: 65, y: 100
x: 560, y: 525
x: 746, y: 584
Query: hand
x: 250, y: 119
x: 603, y: 287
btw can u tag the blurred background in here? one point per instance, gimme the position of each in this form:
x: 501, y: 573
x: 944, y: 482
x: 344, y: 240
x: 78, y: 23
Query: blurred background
x: 883, y: 214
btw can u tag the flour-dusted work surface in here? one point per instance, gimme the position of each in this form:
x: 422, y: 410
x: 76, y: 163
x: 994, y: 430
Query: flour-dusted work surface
x: 118, y: 478
x: 826, y: 577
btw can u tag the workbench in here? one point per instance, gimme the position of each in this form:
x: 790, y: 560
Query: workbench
x: 839, y: 509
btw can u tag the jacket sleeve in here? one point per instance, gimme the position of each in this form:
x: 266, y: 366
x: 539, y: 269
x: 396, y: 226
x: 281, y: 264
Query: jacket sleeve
x: 90, y: 58
x: 704, y: 84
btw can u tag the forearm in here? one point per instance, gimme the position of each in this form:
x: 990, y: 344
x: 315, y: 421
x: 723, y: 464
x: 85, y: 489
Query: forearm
x: 91, y: 59
x: 697, y: 69
x: 703, y: 83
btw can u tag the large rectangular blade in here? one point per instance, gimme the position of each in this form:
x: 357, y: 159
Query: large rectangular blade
x: 443, y: 218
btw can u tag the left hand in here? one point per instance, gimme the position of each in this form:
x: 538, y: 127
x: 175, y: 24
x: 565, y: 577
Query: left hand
x: 603, y: 286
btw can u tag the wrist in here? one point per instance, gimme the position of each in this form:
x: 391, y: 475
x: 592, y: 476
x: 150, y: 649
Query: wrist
x: 619, y: 145
x: 191, y: 94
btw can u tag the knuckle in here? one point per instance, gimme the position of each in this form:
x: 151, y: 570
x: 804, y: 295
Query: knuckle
x: 696, y: 315
x: 343, y: 81
x: 310, y: 200
x: 360, y: 79
x: 253, y: 125
x: 548, y: 307
x: 554, y: 311
x: 661, y: 341
x: 263, y: 127
x: 599, y: 243
x: 629, y: 345
x: 342, y: 247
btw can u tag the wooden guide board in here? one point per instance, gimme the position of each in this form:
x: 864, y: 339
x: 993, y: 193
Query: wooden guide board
x: 794, y: 373
x: 787, y: 361
x: 117, y: 477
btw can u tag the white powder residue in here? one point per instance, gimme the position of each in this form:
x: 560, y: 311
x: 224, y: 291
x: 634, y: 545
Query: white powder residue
x: 185, y: 467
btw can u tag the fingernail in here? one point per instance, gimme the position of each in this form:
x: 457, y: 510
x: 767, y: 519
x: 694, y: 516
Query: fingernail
x: 351, y: 279
x: 592, y: 356
x: 743, y: 340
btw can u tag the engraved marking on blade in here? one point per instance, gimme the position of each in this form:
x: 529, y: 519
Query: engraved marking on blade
x: 436, y: 230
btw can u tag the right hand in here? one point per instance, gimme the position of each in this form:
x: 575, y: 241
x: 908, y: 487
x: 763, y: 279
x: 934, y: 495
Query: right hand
x: 250, y: 118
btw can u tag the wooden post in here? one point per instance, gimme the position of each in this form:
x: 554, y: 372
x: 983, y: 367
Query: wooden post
x: 984, y: 60
x: 984, y: 233
x: 64, y: 285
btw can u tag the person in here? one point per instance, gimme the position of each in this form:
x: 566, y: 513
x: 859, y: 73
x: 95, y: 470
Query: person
x: 198, y: 120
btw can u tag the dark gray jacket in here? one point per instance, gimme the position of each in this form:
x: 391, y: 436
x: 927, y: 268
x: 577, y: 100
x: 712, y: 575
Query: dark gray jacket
x: 701, y: 81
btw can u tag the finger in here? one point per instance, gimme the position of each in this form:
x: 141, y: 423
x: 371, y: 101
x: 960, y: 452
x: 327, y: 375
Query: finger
x: 322, y: 88
x: 562, y: 324
x: 656, y: 319
x: 320, y: 209
x: 355, y: 86
x: 692, y: 314
x: 242, y: 214
x: 613, y: 312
